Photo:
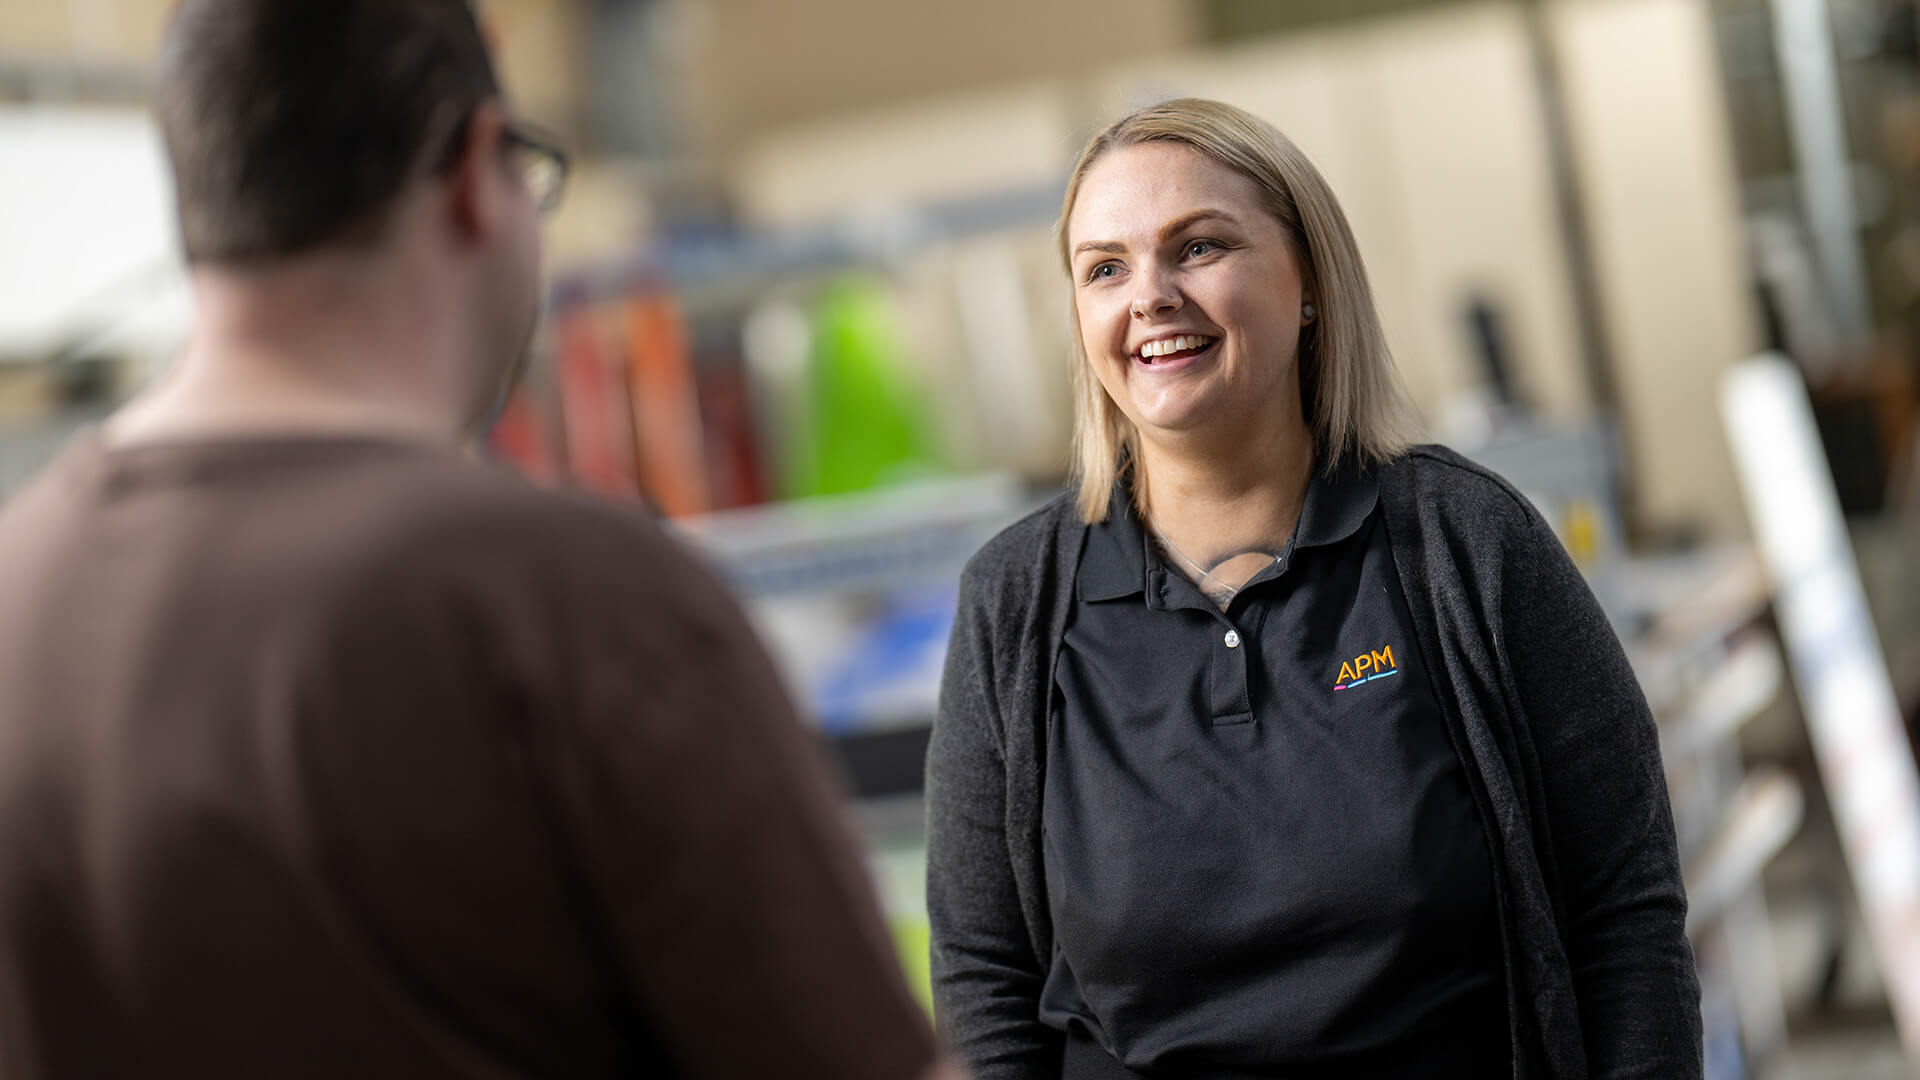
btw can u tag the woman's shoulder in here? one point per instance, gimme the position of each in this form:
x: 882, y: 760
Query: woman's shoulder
x: 1441, y: 487
x: 1022, y: 555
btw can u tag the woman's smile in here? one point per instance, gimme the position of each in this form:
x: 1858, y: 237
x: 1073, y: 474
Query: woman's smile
x: 1175, y: 353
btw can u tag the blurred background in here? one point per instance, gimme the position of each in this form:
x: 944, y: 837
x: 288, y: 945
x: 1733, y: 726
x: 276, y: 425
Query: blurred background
x: 803, y: 301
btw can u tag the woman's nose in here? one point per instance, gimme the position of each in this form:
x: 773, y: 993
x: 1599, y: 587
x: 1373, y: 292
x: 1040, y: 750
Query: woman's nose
x: 1156, y: 296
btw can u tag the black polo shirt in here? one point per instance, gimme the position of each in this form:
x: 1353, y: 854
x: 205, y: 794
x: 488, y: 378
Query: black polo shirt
x: 1262, y: 855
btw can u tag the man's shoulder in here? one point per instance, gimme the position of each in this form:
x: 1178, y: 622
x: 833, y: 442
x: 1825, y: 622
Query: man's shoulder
x: 496, y: 507
x: 602, y: 572
x: 502, y: 505
x: 447, y: 520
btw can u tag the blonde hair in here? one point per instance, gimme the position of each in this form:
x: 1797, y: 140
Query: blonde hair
x: 1350, y: 392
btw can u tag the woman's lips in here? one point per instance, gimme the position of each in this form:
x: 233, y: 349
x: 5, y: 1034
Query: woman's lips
x: 1174, y: 362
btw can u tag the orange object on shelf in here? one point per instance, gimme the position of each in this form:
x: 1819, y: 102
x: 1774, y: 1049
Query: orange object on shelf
x: 666, y: 407
x: 595, y: 404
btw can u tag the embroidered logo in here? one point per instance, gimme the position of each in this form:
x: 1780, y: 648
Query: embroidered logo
x: 1367, y: 667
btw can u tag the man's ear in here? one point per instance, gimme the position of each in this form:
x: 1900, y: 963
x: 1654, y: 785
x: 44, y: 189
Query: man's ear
x: 474, y: 180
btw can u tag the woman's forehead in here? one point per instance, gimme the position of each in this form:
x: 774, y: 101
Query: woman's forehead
x: 1130, y: 193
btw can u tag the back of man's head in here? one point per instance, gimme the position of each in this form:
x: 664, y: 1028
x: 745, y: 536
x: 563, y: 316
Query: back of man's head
x: 293, y: 125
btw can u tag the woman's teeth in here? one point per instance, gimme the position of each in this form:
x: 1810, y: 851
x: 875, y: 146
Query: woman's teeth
x: 1169, y: 346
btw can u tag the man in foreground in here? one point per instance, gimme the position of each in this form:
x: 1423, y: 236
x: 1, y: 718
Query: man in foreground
x: 327, y: 752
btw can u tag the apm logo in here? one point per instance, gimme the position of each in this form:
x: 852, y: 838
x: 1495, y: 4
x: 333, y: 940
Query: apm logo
x: 1367, y: 667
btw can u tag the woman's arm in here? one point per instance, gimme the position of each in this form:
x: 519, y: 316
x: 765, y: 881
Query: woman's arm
x: 986, y: 978
x: 1612, y: 835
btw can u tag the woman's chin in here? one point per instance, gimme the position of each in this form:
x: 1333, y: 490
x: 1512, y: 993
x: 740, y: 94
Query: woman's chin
x: 1175, y: 414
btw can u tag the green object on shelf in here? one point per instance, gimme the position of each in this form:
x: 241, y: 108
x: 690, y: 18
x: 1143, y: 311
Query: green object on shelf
x: 913, y: 939
x: 866, y: 423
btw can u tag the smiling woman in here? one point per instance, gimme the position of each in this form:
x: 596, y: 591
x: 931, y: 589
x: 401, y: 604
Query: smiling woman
x: 1217, y: 186
x: 1284, y: 747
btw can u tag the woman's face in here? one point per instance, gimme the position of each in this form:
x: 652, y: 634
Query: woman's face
x: 1187, y: 295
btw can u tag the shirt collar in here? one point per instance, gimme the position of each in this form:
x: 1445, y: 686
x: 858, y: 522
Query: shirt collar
x: 1116, y: 562
x: 1337, y: 505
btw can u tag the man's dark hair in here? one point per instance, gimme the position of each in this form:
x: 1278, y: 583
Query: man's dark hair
x: 293, y: 124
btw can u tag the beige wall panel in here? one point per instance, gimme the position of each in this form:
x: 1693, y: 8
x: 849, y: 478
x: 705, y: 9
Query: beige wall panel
x: 954, y: 147
x: 1650, y: 136
x: 765, y: 65
x: 540, y: 51
x: 109, y: 32
x: 538, y: 41
x: 128, y: 30
x: 1458, y: 106
x: 36, y: 30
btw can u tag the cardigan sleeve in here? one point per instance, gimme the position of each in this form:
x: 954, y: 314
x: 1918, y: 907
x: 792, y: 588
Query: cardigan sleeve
x: 986, y: 976
x: 1612, y: 834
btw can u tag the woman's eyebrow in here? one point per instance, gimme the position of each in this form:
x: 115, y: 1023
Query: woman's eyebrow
x: 1186, y: 221
x: 1179, y: 224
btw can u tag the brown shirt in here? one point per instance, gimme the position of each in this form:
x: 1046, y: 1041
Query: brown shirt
x: 345, y: 757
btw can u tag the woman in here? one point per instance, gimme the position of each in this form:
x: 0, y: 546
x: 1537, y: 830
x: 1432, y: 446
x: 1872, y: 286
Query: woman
x: 1283, y: 747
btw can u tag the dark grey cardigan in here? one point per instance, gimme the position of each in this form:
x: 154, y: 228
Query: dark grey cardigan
x: 1559, y: 745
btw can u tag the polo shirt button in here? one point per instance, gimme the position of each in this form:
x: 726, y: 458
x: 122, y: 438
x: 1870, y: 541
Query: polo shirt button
x: 1233, y: 639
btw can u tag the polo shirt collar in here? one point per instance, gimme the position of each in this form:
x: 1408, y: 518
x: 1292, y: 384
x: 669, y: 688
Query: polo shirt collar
x: 1337, y: 505
x: 1116, y: 561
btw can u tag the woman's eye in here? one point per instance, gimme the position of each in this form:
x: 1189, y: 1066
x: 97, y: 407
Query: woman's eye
x: 1104, y: 270
x: 1200, y: 247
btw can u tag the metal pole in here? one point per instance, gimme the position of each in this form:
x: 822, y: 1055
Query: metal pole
x: 1803, y: 39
